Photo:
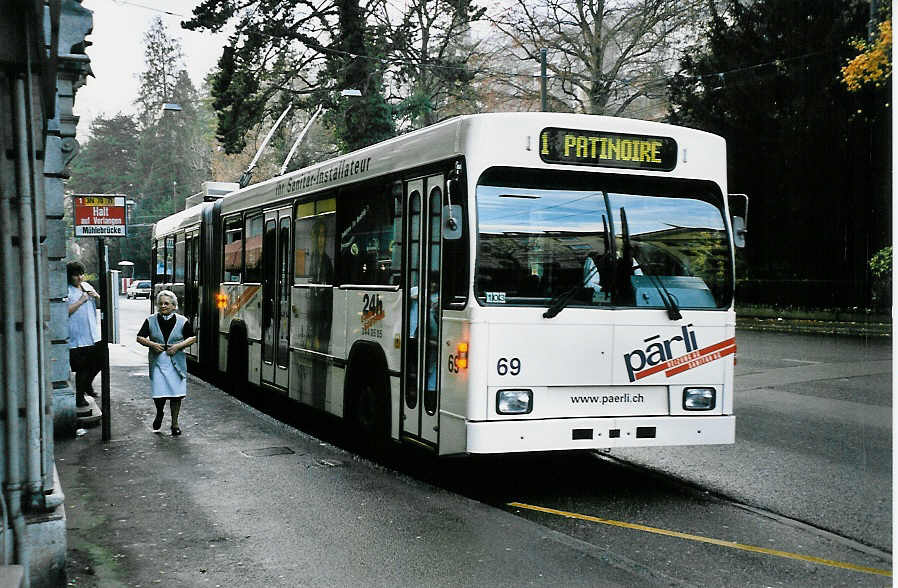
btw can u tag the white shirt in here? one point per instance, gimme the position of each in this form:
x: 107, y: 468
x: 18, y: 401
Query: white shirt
x: 84, y: 329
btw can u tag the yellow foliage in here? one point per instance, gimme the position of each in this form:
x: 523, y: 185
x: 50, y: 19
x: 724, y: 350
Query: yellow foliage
x: 873, y: 64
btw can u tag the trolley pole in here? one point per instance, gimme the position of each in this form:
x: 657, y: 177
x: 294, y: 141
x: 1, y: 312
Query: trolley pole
x: 543, y: 90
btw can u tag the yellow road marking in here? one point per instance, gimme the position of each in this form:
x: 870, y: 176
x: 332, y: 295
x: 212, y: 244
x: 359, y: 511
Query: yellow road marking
x: 699, y: 538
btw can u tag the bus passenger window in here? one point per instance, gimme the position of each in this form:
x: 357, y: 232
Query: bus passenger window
x: 169, y: 259
x: 253, y: 249
x: 367, y: 230
x: 158, y: 262
x: 396, y: 246
x: 233, y: 250
x: 180, y: 251
x: 455, y: 259
x: 313, y: 252
x: 313, y: 242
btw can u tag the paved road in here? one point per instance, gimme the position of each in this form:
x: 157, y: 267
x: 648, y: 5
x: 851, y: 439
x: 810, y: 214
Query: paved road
x: 242, y: 500
x: 813, y: 434
x: 813, y: 443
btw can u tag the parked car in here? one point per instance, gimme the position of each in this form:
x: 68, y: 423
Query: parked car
x: 139, y: 289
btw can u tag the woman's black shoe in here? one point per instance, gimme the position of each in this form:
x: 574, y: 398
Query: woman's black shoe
x: 175, y: 431
x: 157, y: 424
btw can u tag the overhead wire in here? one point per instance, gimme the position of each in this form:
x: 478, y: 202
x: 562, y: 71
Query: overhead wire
x: 145, y: 7
x: 497, y: 72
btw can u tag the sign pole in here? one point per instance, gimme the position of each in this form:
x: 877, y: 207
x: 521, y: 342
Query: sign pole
x: 105, y: 308
x: 101, y: 216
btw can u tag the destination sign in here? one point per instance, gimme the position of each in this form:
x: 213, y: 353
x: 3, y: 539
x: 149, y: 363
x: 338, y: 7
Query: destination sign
x: 597, y: 148
x: 100, y: 216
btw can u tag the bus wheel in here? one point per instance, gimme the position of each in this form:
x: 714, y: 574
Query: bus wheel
x: 238, y: 362
x: 370, y: 412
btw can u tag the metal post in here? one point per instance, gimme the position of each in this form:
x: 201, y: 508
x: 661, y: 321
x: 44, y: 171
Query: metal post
x: 873, y: 21
x: 544, y: 92
x: 103, y: 258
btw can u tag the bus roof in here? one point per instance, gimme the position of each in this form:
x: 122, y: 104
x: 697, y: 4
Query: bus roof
x: 486, y: 140
x: 181, y: 219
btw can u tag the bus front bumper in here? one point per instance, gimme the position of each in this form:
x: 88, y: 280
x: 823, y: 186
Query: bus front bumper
x: 598, y: 433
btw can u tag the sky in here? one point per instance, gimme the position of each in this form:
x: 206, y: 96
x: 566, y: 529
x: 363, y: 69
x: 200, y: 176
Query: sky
x: 116, y: 54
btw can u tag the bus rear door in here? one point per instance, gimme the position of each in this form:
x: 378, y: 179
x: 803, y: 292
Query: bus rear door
x: 276, y: 247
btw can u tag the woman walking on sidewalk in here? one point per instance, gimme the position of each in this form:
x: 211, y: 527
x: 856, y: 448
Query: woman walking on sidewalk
x: 167, y: 334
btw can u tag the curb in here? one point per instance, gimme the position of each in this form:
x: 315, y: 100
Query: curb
x: 815, y: 327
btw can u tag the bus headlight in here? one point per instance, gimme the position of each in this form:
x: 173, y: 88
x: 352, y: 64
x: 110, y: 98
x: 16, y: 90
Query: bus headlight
x: 699, y: 398
x: 518, y: 401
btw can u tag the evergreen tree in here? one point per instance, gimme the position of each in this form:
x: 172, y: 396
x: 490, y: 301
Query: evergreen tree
x: 355, y: 64
x: 107, y: 164
x: 299, y: 53
x: 813, y: 158
x: 174, y: 156
x: 409, y: 64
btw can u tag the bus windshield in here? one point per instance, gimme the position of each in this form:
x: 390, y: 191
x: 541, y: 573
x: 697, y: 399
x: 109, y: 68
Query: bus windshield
x: 601, y: 241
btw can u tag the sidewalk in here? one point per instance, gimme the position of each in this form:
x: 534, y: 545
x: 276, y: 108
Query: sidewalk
x: 242, y: 500
x: 857, y: 324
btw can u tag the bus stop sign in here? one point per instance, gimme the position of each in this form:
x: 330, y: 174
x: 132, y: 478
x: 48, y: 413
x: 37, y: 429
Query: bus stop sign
x: 100, y: 215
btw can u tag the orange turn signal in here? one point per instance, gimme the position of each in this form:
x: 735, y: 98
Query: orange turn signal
x: 461, y: 359
x: 221, y: 301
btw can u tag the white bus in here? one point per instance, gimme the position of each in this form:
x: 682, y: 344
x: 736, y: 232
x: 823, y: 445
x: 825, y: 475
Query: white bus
x: 493, y: 283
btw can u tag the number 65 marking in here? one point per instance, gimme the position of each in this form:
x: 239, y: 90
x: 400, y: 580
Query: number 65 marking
x: 508, y: 366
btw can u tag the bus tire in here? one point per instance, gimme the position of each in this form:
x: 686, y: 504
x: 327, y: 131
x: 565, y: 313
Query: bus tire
x: 238, y: 360
x: 369, y: 407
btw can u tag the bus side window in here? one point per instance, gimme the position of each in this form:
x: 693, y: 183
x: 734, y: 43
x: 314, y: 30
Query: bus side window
x: 313, y: 250
x: 233, y: 250
x: 180, y: 261
x: 169, y: 259
x: 396, y: 245
x: 313, y: 242
x: 367, y: 221
x: 158, y: 265
x: 455, y: 258
x: 253, y: 255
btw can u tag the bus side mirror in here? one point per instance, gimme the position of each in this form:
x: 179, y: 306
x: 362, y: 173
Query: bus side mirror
x: 738, y: 204
x: 452, y: 222
x: 739, y: 231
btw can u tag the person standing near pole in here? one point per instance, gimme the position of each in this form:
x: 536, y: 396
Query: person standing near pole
x: 84, y: 333
x: 167, y: 334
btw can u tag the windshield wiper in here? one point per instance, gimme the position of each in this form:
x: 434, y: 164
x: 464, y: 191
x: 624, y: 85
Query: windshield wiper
x: 670, y: 303
x: 561, y: 301
x: 673, y: 311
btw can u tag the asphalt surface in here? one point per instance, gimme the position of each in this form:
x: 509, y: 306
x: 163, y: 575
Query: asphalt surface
x: 240, y: 499
x: 813, y: 435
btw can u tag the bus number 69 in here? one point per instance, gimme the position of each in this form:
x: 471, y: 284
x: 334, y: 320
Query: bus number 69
x: 508, y: 366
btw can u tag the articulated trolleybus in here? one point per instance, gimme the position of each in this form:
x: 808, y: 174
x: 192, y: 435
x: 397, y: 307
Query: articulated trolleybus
x: 493, y: 283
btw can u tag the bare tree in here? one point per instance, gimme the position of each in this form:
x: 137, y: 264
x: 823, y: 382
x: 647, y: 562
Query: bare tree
x: 603, y: 55
x: 433, y: 57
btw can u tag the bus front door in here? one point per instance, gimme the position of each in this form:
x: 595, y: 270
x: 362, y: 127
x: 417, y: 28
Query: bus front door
x: 421, y: 385
x: 276, y: 282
